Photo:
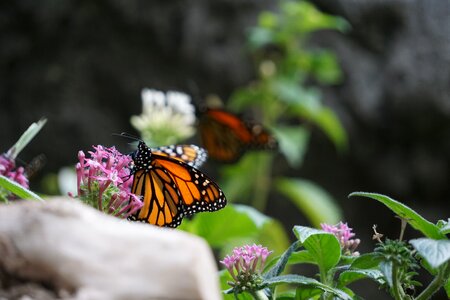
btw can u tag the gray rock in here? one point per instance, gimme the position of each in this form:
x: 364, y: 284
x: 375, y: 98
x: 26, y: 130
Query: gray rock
x: 80, y: 253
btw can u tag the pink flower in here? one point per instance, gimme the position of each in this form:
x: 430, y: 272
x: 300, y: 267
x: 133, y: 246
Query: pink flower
x: 246, y: 265
x: 8, y: 169
x: 105, y: 178
x: 345, y: 236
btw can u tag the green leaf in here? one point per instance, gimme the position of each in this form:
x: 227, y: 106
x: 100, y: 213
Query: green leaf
x: 413, y: 218
x: 293, y: 142
x: 299, y: 99
x: 447, y: 288
x: 300, y: 257
x: 270, y: 232
x: 250, y: 96
x: 292, y: 278
x: 308, y: 293
x: 435, y: 252
x: 347, y: 260
x: 325, y: 68
x: 26, y: 138
x: 286, y: 295
x: 327, y: 120
x: 351, y: 293
x: 311, y: 199
x: 224, y: 278
x: 306, y: 104
x: 235, y: 177
x: 247, y: 226
x: 258, y: 218
x: 366, y: 261
x: 267, y: 20
x: 386, y: 270
x: 18, y: 190
x: 424, y: 263
x: 444, y: 226
x: 323, y: 246
x: 308, y: 18
x: 281, y: 263
x: 306, y: 281
x: 273, y: 236
x: 224, y: 226
x: 259, y: 37
x: 350, y: 276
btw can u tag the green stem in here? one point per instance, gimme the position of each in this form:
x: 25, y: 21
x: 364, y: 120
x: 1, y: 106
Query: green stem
x: 259, y: 295
x: 323, y: 276
x: 3, y: 196
x: 396, y: 285
x: 327, y: 296
x: 262, y: 181
x: 324, y: 280
x: 436, y: 284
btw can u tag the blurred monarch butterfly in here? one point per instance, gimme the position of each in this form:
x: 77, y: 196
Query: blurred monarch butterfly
x: 227, y: 137
x: 171, y: 188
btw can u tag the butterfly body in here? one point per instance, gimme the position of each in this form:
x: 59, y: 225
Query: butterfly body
x: 227, y: 137
x: 171, y: 188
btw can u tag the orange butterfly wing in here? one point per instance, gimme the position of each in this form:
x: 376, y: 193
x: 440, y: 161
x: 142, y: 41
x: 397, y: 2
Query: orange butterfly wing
x: 171, y: 189
x: 227, y: 137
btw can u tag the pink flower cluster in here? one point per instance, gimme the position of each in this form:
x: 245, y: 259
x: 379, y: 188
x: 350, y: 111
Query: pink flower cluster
x: 9, y: 170
x: 245, y: 262
x: 106, y: 177
x: 344, y: 235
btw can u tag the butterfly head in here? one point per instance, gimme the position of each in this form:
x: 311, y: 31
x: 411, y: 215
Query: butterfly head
x: 262, y: 138
x: 142, y: 156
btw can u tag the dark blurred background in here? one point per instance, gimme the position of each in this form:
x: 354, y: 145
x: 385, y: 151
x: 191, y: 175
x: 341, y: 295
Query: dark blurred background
x: 82, y: 64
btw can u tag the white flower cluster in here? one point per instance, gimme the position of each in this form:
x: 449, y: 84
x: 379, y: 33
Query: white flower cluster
x: 167, y: 118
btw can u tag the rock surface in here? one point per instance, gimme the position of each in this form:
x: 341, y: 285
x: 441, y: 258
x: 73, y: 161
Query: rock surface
x: 66, y: 249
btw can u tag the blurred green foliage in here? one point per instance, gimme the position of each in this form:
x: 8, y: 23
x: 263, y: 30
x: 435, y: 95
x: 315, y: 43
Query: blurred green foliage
x: 286, y: 97
x: 311, y: 199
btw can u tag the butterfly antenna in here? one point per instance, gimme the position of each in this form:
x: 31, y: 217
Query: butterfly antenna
x: 128, y: 136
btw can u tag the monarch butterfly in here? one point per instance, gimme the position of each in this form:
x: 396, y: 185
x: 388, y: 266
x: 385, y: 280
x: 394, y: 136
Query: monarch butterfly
x: 227, y: 137
x: 170, y: 188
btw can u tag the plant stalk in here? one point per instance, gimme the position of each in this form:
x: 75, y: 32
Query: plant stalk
x: 436, y: 284
x: 262, y: 181
x: 325, y: 279
x: 259, y: 295
x: 397, y: 289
